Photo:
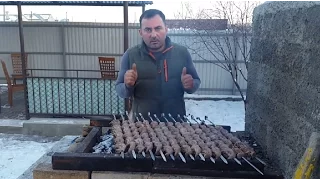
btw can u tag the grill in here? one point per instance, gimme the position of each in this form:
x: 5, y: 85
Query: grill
x: 165, y: 144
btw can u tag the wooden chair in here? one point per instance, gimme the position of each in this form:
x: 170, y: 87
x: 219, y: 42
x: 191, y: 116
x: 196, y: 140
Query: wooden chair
x: 17, y: 66
x: 107, y: 64
x: 11, y: 87
x: 17, y: 62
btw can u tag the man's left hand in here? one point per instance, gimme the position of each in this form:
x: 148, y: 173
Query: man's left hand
x: 186, y: 79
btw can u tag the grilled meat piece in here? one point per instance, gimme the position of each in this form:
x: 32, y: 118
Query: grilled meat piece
x: 154, y: 124
x: 120, y: 147
x: 140, y: 148
x: 158, y: 146
x: 238, y: 152
x: 195, y: 126
x: 176, y: 149
x: 216, y: 153
x: 118, y: 140
x: 206, y: 151
x: 170, y: 124
x: 129, y: 139
x: 132, y: 146
x: 149, y: 145
x: 196, y: 149
x: 168, y: 149
x: 138, y: 141
x: 198, y: 131
x: 228, y: 153
x: 187, y: 149
x: 115, y: 122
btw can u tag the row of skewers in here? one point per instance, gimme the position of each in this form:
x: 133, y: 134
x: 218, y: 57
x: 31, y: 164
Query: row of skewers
x: 169, y: 139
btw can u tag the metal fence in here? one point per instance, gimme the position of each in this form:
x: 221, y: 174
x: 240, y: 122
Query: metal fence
x: 72, y: 96
x: 77, y: 46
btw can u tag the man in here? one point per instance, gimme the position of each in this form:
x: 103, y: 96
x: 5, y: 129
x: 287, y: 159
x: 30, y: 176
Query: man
x: 157, y: 72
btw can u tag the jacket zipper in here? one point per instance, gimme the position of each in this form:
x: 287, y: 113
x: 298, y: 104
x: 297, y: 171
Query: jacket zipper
x: 165, y: 70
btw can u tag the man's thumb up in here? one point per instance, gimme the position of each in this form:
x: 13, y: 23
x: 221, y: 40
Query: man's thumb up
x: 134, y: 67
x: 184, y: 71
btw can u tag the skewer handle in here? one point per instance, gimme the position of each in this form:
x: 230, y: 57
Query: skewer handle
x: 172, y: 118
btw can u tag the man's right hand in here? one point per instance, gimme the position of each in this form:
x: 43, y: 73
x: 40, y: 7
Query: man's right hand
x: 131, y: 76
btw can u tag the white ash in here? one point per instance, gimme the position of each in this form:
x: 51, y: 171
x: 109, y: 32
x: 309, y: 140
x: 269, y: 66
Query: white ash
x: 105, y: 146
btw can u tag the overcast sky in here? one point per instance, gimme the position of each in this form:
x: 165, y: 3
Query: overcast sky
x: 102, y: 14
x: 105, y: 14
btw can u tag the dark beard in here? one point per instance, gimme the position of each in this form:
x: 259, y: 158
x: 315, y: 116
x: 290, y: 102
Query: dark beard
x: 156, y: 49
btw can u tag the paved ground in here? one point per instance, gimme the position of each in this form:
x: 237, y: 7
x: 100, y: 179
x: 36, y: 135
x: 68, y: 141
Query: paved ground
x: 15, y: 112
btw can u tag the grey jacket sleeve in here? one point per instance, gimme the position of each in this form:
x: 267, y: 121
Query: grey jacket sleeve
x: 193, y: 72
x: 122, y: 90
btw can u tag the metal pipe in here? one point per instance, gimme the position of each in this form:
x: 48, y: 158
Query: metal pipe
x: 23, y: 60
x: 126, y: 41
x: 143, y: 8
x: 125, y: 26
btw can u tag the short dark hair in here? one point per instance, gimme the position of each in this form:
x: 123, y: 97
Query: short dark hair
x: 151, y: 13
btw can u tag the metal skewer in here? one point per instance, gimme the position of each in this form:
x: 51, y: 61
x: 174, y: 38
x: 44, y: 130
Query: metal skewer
x: 121, y: 153
x: 194, y: 119
x: 151, y: 153
x: 179, y: 117
x: 223, y: 159
x: 181, y: 156
x: 164, y: 117
x: 206, y: 118
x: 141, y: 116
x: 149, y: 114
x: 200, y: 154
x: 122, y: 117
x: 156, y: 117
x: 163, y: 156
x: 161, y: 153
x: 185, y: 117
x: 172, y: 118
x: 252, y: 166
x: 133, y: 152
x: 262, y: 162
x: 236, y: 160
x: 172, y: 157
x: 127, y: 115
x: 114, y: 116
x: 143, y: 153
x: 212, y: 160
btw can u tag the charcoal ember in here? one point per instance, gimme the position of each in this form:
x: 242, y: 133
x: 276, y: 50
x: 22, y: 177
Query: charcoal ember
x: 105, y: 146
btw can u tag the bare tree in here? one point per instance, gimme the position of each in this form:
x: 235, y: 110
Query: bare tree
x: 228, y: 44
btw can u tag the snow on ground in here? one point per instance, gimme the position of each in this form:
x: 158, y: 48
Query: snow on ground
x: 18, y: 154
x: 221, y: 112
x: 199, y: 96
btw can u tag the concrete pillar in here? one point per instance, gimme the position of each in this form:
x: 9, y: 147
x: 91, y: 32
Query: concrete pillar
x: 284, y: 80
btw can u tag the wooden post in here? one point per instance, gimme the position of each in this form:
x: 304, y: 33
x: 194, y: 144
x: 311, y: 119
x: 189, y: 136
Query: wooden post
x: 309, y: 161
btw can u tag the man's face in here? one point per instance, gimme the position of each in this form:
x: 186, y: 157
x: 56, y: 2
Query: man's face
x: 153, y: 32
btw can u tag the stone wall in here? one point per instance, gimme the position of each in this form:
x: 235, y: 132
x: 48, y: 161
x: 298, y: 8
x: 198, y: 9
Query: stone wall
x: 284, y: 80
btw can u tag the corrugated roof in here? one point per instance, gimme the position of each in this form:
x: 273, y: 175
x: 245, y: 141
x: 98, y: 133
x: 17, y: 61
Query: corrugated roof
x: 78, y: 3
